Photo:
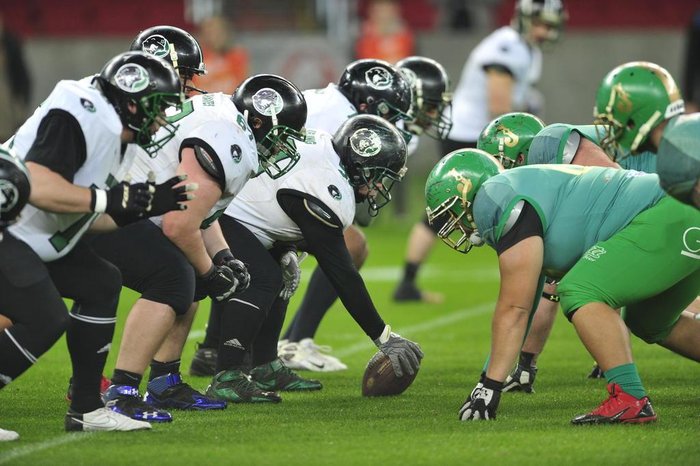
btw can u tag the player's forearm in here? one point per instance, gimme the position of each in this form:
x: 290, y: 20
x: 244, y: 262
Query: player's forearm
x: 507, y: 333
x: 214, y: 239
x: 53, y: 193
x: 188, y: 238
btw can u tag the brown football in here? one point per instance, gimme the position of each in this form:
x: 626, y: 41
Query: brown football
x: 380, y: 379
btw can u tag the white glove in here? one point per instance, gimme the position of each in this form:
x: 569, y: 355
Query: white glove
x: 291, y: 273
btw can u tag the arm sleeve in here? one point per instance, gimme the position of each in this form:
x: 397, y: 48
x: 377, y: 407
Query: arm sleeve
x: 527, y: 225
x: 327, y: 244
x: 59, y: 144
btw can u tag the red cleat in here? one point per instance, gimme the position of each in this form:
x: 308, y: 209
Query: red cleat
x: 619, y: 408
x: 104, y: 385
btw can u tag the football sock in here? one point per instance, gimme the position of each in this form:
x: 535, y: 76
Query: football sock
x: 320, y: 296
x: 213, y: 331
x: 265, y: 345
x: 122, y: 377
x: 627, y: 377
x: 163, y: 368
x: 526, y: 359
x: 240, y: 324
x: 89, y: 338
x: 410, y: 270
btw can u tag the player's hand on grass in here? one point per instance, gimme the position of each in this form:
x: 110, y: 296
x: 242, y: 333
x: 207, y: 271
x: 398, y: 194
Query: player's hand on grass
x: 521, y: 380
x: 482, y: 402
x: 404, y: 354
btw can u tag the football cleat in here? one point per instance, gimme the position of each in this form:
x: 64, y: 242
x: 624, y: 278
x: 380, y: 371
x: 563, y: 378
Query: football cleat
x: 596, y: 372
x: 104, y: 385
x: 169, y: 391
x: 126, y: 400
x: 521, y: 380
x: 275, y: 376
x: 408, y: 292
x: 204, y: 362
x: 620, y: 407
x: 308, y: 356
x: 8, y: 435
x: 102, y: 419
x: 237, y: 387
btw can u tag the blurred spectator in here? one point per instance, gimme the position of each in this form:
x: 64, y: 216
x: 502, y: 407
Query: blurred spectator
x: 15, y: 83
x: 691, y: 88
x: 227, y: 65
x: 384, y: 33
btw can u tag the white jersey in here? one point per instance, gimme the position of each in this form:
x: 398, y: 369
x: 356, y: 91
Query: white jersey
x: 327, y: 108
x: 505, y: 47
x: 53, y: 235
x: 318, y: 174
x: 212, y: 122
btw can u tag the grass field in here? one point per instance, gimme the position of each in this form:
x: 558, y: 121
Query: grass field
x: 337, y: 426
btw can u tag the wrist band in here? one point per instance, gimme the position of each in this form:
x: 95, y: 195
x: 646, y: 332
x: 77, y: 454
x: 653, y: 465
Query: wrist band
x: 98, y: 203
x: 552, y: 297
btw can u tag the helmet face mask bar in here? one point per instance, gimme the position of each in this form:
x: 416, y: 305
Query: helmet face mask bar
x: 453, y: 232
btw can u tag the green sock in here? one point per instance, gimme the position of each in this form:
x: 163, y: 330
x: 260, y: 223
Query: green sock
x: 627, y: 377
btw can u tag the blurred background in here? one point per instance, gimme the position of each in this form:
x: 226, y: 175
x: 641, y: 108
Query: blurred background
x: 310, y: 42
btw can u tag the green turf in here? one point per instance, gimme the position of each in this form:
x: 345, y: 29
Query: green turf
x: 337, y: 426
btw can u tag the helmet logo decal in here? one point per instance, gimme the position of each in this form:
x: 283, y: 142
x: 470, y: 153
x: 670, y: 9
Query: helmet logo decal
x: 365, y: 142
x: 132, y: 78
x: 156, y: 45
x: 622, y: 100
x: 268, y: 102
x: 410, y: 76
x: 8, y: 196
x: 464, y: 185
x: 379, y: 78
x: 509, y: 138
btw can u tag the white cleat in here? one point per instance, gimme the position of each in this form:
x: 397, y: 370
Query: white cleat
x: 102, y: 419
x: 8, y: 435
x: 307, y: 355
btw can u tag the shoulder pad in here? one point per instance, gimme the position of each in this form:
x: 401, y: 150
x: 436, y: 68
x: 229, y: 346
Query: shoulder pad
x: 210, y: 163
x: 322, y: 213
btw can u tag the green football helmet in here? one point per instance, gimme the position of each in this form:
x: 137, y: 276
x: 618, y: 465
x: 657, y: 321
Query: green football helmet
x: 632, y: 100
x: 509, y: 136
x: 450, y: 191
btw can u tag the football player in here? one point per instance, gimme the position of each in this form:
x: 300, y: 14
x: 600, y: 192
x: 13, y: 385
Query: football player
x: 308, y: 208
x: 72, y: 147
x: 497, y: 78
x: 643, y: 109
x: 221, y: 142
x: 365, y: 87
x: 607, y: 217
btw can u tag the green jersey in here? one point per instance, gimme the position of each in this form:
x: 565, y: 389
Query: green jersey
x: 578, y: 206
x: 558, y: 142
x: 678, y: 155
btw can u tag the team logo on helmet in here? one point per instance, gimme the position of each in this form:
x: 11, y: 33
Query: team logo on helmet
x: 132, y: 78
x: 379, y: 78
x: 365, y: 142
x: 156, y: 45
x: 464, y: 184
x: 623, y: 102
x: 268, y: 102
x: 9, y: 194
x: 509, y: 138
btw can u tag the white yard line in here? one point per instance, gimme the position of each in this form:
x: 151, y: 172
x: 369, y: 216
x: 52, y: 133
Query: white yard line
x: 39, y: 446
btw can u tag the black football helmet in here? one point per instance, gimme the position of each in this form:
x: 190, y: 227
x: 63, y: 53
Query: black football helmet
x: 275, y: 110
x: 176, y: 46
x: 148, y: 83
x: 377, y: 88
x: 14, y: 187
x: 551, y: 12
x: 373, y: 153
x: 431, y: 111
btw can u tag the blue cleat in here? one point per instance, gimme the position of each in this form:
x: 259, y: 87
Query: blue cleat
x: 169, y: 391
x: 126, y: 400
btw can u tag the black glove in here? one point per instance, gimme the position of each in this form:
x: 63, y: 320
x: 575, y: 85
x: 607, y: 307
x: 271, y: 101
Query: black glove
x: 482, y: 402
x: 219, y: 282
x: 166, y: 197
x: 239, y: 269
x: 521, y: 380
x: 404, y: 354
x: 125, y: 203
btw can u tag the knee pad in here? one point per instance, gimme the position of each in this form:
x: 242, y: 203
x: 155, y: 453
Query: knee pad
x: 648, y: 329
x: 572, y: 297
x: 172, y: 285
x: 103, y: 290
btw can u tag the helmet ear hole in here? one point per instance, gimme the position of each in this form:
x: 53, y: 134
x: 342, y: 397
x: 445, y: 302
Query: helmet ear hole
x: 256, y: 123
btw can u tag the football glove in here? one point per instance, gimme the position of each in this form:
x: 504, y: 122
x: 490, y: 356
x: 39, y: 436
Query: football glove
x: 125, y: 203
x: 239, y: 269
x: 291, y: 272
x: 521, y: 379
x: 167, y: 197
x: 482, y: 402
x: 404, y: 354
x: 219, y: 282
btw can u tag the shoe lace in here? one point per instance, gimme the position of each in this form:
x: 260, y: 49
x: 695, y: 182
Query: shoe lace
x: 129, y: 404
x: 611, y: 404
